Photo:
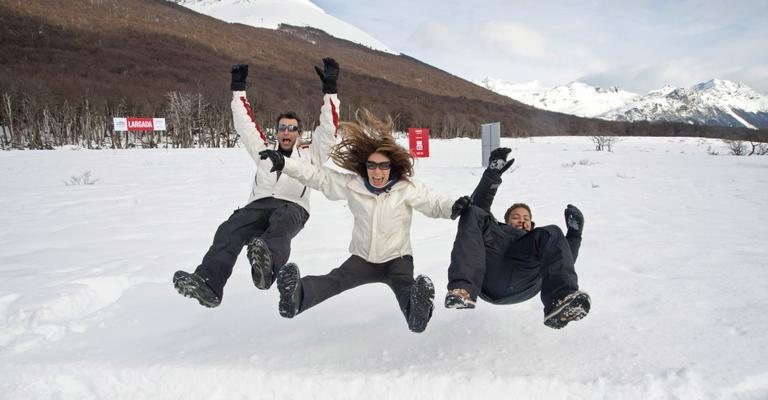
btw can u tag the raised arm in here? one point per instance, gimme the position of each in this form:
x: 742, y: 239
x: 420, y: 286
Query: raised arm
x: 574, y: 220
x: 486, y: 189
x: 324, y: 136
x: 332, y: 184
x: 251, y: 135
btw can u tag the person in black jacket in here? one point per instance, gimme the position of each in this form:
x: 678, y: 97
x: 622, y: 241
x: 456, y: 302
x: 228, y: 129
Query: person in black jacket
x: 508, y: 263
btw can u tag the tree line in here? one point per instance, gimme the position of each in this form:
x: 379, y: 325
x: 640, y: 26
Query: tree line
x: 28, y: 122
x: 46, y: 121
x: 37, y: 122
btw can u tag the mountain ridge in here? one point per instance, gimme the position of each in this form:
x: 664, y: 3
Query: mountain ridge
x: 714, y: 102
x: 126, y: 56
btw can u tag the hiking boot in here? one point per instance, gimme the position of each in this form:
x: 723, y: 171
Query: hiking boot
x: 458, y: 298
x: 289, y: 286
x: 261, y: 263
x: 421, y: 306
x: 194, y: 286
x: 572, y: 307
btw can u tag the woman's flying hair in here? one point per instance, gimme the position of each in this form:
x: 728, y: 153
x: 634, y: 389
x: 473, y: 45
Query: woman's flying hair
x: 368, y: 135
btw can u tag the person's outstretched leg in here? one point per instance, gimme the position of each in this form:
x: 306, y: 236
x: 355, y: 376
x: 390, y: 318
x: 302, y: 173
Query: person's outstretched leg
x: 560, y: 295
x: 268, y: 252
x: 206, y: 284
x: 354, y: 272
x: 468, y: 256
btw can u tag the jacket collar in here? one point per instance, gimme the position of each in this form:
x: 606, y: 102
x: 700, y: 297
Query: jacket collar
x: 358, y: 185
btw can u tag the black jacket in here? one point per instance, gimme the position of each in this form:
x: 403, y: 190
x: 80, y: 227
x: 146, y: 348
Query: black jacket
x: 486, y: 191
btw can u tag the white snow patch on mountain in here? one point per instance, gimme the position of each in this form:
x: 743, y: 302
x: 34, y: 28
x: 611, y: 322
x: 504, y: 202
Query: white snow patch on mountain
x: 575, y: 98
x: 715, y: 102
x: 271, y: 13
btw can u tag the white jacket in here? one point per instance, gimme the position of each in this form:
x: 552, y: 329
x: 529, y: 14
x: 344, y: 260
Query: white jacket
x: 267, y: 184
x: 382, y: 228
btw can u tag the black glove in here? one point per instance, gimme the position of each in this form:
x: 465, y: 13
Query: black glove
x: 574, y: 220
x: 329, y: 74
x: 460, y: 206
x: 239, y: 75
x: 498, y: 160
x: 278, y: 161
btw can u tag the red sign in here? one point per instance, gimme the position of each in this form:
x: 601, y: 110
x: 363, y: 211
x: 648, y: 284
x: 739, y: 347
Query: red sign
x: 418, y: 138
x: 141, y: 124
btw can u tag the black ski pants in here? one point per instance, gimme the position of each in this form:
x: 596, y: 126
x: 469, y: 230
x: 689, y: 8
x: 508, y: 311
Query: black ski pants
x: 504, y: 265
x: 275, y: 221
x: 355, y: 271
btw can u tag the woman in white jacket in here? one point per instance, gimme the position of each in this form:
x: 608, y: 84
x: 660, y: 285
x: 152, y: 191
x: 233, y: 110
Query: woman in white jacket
x: 382, y: 197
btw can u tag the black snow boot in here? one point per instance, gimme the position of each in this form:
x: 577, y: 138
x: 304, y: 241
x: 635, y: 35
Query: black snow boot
x: 572, y: 307
x: 261, y: 264
x: 289, y: 286
x: 194, y: 286
x: 422, y: 296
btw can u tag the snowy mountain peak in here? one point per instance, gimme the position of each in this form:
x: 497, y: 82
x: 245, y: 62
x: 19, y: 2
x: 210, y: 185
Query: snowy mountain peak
x: 719, y: 85
x: 575, y: 97
x: 714, y: 102
x: 271, y: 13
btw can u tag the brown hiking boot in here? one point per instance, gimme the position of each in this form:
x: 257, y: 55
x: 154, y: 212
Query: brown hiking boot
x: 459, y: 298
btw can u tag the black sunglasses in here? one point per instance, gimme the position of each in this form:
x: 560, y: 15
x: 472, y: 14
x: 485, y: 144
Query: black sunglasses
x: 289, y: 128
x: 384, y: 165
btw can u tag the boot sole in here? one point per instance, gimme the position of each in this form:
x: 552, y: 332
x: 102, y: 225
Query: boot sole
x: 287, y: 284
x: 422, y: 302
x: 188, y: 286
x: 573, y: 310
x: 259, y: 257
x: 458, y: 303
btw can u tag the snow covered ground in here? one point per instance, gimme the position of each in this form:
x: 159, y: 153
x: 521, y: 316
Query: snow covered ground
x: 674, y: 257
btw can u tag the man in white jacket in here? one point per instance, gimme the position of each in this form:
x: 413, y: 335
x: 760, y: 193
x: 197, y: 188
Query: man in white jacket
x: 278, y: 206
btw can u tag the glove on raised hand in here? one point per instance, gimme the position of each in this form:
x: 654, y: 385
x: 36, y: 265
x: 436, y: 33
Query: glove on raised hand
x: 498, y: 160
x: 239, y: 75
x: 460, y: 206
x: 574, y: 220
x: 278, y: 161
x: 329, y: 74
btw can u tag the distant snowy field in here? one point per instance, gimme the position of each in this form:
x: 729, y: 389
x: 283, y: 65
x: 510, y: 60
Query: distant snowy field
x: 675, y: 257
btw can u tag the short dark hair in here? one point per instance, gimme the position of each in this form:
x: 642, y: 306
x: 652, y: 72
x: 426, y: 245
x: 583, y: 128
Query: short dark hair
x: 288, y: 115
x: 515, y: 206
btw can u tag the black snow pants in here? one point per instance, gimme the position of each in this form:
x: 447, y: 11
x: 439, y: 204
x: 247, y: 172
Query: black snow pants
x: 355, y: 271
x: 504, y: 265
x: 275, y: 221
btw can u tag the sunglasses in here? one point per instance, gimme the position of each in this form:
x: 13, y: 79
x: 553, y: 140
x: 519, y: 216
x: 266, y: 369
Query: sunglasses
x: 384, y: 165
x: 289, y: 128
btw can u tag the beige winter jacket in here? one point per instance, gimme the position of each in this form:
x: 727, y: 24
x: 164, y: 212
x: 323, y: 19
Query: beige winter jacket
x: 382, y: 229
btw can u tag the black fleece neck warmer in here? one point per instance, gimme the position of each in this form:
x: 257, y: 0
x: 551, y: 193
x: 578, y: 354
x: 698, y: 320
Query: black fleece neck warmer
x: 285, y: 153
x: 377, y: 191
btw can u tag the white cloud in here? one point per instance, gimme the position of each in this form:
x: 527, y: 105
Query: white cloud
x: 433, y: 35
x: 755, y: 77
x: 680, y: 72
x: 517, y: 39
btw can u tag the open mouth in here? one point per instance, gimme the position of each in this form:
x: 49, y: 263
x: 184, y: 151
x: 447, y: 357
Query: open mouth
x: 285, y: 142
x: 378, y: 181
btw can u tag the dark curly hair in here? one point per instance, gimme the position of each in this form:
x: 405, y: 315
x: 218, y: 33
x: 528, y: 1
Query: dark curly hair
x: 366, y: 136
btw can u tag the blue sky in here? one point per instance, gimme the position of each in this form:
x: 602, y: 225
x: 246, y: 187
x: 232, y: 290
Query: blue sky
x: 638, y: 45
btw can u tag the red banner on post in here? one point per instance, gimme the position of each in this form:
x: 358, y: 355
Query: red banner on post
x: 418, y: 139
x: 141, y: 124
